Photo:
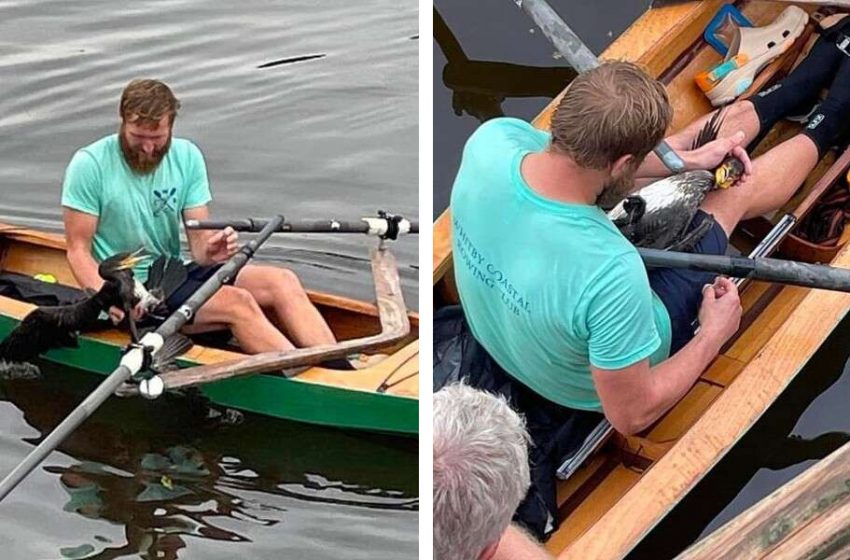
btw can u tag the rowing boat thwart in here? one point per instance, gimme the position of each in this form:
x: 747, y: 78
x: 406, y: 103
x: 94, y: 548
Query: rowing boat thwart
x: 383, y: 396
x: 620, y: 493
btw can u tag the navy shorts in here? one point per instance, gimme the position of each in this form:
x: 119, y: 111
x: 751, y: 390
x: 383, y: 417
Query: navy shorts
x: 196, y: 275
x: 681, y: 290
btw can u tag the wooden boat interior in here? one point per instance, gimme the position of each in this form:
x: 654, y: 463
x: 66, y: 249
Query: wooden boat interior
x: 29, y: 252
x: 626, y: 488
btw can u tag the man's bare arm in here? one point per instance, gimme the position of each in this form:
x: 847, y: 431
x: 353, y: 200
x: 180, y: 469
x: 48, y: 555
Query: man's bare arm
x: 636, y: 396
x: 207, y: 246
x: 198, y: 238
x: 79, y: 231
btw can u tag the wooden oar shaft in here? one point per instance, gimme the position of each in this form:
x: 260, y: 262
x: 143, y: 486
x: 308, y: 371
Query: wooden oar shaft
x: 365, y: 225
x: 133, y: 360
x: 771, y: 270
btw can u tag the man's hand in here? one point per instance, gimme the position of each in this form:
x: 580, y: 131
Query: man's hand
x: 116, y: 314
x: 222, y: 245
x: 712, y: 155
x: 720, y: 313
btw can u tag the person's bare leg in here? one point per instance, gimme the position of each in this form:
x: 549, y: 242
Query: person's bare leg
x: 738, y: 116
x: 234, y: 308
x: 280, y: 293
x: 776, y: 176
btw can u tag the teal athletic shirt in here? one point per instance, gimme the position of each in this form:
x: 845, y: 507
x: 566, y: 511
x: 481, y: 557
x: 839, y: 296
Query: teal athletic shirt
x: 135, y: 210
x: 547, y: 287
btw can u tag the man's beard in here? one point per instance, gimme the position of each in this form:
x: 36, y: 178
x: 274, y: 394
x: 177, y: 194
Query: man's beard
x: 139, y: 161
x: 616, y: 189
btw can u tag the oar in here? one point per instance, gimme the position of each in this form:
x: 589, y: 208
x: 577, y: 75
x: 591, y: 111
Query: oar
x: 384, y: 226
x: 136, y: 357
x: 762, y: 268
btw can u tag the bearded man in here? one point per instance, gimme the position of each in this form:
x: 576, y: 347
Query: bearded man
x: 134, y: 189
x: 559, y: 313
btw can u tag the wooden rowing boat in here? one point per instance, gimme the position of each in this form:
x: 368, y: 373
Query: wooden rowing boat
x: 805, y: 518
x: 616, y: 498
x: 383, y: 396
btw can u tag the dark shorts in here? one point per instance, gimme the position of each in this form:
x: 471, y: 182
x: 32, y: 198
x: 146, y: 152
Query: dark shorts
x: 556, y: 431
x: 196, y: 275
x: 681, y: 290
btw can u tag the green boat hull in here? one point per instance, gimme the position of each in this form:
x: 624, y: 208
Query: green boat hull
x: 269, y: 395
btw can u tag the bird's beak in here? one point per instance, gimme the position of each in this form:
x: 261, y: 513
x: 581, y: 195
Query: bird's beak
x: 132, y: 259
x: 721, y: 178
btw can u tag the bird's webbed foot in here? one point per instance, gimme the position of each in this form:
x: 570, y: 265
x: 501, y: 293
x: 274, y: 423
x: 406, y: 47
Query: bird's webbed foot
x: 689, y: 241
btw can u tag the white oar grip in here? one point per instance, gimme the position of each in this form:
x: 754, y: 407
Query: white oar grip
x: 135, y: 358
x: 380, y: 226
x: 377, y: 226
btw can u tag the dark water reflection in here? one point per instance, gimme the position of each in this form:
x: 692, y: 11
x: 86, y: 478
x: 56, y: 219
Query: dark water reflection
x: 149, y: 479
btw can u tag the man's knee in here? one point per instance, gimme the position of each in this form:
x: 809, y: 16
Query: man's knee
x: 236, y: 303
x: 286, y: 280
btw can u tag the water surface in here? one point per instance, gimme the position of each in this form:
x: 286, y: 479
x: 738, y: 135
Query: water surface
x: 332, y: 136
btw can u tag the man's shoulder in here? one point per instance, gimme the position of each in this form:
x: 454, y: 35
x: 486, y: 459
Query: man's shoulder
x: 101, y: 148
x: 622, y: 266
x: 185, y: 150
x: 184, y: 145
x: 509, y: 130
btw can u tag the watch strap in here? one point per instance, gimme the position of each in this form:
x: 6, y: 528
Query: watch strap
x: 669, y: 157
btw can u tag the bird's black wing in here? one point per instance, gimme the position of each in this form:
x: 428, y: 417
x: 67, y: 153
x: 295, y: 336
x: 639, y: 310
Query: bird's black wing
x: 41, y: 330
x: 166, y: 274
x: 709, y: 131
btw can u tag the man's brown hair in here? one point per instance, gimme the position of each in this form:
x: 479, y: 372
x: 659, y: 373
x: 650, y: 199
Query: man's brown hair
x: 147, y: 102
x: 608, y: 112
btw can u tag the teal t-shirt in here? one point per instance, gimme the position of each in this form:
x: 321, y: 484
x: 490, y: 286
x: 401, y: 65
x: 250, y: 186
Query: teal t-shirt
x: 135, y: 210
x: 548, y: 288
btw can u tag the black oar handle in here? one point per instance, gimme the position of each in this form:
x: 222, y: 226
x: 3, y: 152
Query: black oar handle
x: 772, y: 270
x: 382, y: 227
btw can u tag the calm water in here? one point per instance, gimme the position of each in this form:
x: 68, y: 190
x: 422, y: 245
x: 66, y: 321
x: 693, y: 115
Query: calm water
x: 158, y: 480
x: 334, y: 136
x: 810, y: 419
x: 331, y: 136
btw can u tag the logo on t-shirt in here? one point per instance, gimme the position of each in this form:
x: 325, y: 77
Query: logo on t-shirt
x: 164, y: 200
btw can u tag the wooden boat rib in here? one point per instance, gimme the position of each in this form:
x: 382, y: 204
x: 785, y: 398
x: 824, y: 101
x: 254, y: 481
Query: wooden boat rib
x: 627, y: 488
x: 382, y: 396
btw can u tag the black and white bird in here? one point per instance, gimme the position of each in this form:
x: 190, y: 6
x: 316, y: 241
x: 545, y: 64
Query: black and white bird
x: 50, y: 327
x: 658, y: 215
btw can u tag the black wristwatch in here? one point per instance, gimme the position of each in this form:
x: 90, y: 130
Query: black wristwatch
x: 669, y: 158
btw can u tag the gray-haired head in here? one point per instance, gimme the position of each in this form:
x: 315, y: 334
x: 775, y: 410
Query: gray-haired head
x: 480, y: 470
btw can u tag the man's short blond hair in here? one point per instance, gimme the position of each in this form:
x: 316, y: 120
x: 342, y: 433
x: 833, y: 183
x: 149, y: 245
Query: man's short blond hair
x: 147, y: 102
x: 613, y: 110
